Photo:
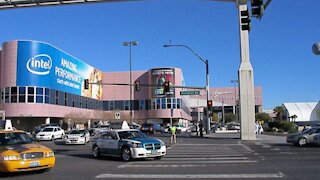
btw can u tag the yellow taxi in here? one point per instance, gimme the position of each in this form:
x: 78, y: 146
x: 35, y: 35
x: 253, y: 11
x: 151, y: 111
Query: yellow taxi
x: 20, y: 152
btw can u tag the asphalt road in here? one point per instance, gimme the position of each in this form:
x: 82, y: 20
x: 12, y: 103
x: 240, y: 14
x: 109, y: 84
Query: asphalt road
x: 217, y: 157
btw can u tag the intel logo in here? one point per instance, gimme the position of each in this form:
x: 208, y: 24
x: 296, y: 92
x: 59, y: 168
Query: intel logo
x: 40, y: 64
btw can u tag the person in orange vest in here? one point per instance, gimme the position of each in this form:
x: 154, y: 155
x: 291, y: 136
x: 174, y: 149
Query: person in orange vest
x: 173, y: 131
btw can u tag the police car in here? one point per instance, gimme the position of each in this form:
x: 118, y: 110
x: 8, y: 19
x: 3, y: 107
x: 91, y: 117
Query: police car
x: 127, y: 144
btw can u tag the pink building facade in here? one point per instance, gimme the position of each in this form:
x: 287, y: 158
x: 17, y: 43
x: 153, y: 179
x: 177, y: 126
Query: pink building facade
x: 43, y: 84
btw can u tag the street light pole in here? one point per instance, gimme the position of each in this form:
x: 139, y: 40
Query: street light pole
x: 130, y: 44
x: 207, y: 78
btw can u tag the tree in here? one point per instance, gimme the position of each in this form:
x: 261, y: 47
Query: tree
x: 215, y: 117
x: 279, y: 110
x: 262, y: 117
x: 293, y: 118
x: 230, y: 117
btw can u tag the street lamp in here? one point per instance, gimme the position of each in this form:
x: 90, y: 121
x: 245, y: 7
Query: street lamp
x: 130, y: 44
x: 207, y: 77
x: 235, y: 97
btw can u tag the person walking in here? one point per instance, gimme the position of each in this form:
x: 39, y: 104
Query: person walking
x: 173, y: 131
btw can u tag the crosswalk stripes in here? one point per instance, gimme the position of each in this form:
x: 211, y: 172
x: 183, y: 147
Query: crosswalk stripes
x: 197, y: 155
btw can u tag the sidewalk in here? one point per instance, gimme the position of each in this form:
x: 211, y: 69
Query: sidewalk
x: 263, y: 138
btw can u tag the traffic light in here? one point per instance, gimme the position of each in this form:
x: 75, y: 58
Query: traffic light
x: 166, y: 87
x: 137, y: 85
x: 209, y: 103
x: 257, y: 8
x: 86, y: 83
x: 245, y: 20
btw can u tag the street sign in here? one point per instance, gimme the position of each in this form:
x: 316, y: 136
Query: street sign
x: 189, y: 92
x: 117, y: 115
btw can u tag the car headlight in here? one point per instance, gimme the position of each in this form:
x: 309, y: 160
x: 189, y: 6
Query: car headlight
x: 49, y: 154
x: 136, y: 145
x: 161, y: 143
x: 10, y: 158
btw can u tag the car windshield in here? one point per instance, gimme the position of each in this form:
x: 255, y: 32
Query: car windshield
x: 15, y: 138
x: 77, y: 132
x: 131, y: 134
x: 47, y: 130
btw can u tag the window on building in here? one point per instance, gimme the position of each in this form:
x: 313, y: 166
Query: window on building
x: 105, y: 105
x: 39, y: 95
x: 169, y: 105
x: 158, y: 103
x: 112, y: 105
x: 153, y: 104
x: 46, y: 96
x: 126, y: 105
x: 76, y: 101
x: 163, y: 103
x: 14, y: 94
x: 22, y: 94
x: 2, y: 95
x: 30, y: 95
x: 174, y: 103
x: 142, y: 105
x: 178, y: 103
x: 7, y: 95
x: 57, y: 97
x: 61, y: 98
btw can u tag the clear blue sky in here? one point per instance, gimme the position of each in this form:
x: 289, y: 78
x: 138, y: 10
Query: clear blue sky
x: 280, y: 43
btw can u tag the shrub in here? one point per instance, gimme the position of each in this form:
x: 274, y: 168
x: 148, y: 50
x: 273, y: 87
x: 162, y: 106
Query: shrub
x: 284, y: 126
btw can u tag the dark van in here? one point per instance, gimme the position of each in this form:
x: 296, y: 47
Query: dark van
x: 151, y: 128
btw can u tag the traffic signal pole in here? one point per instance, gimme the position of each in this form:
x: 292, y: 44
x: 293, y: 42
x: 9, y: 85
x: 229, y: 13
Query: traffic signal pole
x: 246, y: 83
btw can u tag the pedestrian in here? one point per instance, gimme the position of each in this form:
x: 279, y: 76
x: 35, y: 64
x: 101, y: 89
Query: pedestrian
x: 200, y: 127
x: 173, y: 131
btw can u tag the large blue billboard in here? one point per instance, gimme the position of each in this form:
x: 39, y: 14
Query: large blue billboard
x: 40, y: 64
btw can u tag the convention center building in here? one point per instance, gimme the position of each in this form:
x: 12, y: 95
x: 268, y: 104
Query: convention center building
x: 40, y: 84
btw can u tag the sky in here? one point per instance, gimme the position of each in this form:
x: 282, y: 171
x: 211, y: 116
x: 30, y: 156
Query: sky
x: 280, y: 43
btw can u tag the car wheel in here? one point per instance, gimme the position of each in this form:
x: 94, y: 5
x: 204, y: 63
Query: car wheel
x: 158, y: 157
x: 44, y: 170
x: 302, y: 141
x: 95, y: 152
x: 126, y: 154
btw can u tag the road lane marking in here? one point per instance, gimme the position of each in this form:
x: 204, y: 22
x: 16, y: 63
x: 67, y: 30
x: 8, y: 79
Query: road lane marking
x: 191, y: 176
x: 163, y: 162
x: 204, y: 158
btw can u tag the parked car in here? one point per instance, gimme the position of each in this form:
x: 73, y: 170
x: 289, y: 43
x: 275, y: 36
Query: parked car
x: 20, y: 152
x: 151, y: 128
x: 183, y: 129
x: 41, y: 126
x: 303, y: 138
x: 50, y: 133
x: 77, y: 136
x: 127, y: 144
x: 233, y: 126
x: 98, y: 128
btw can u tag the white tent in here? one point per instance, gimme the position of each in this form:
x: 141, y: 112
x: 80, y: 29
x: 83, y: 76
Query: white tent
x: 305, y: 111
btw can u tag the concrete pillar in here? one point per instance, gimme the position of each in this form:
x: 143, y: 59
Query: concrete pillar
x: 246, y: 84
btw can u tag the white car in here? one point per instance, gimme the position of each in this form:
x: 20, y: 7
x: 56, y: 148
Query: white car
x: 127, y: 144
x: 76, y: 136
x: 50, y: 133
x: 181, y: 128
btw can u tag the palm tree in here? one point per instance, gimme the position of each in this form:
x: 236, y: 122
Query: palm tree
x: 294, y: 117
x: 278, y: 111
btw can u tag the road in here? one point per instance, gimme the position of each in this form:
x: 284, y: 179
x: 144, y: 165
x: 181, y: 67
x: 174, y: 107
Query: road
x: 218, y: 157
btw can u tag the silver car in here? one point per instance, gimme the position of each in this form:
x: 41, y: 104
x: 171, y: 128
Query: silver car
x: 306, y: 137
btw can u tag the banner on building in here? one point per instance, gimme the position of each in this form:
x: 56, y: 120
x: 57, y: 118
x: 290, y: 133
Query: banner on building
x: 158, y: 77
x: 40, y: 64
